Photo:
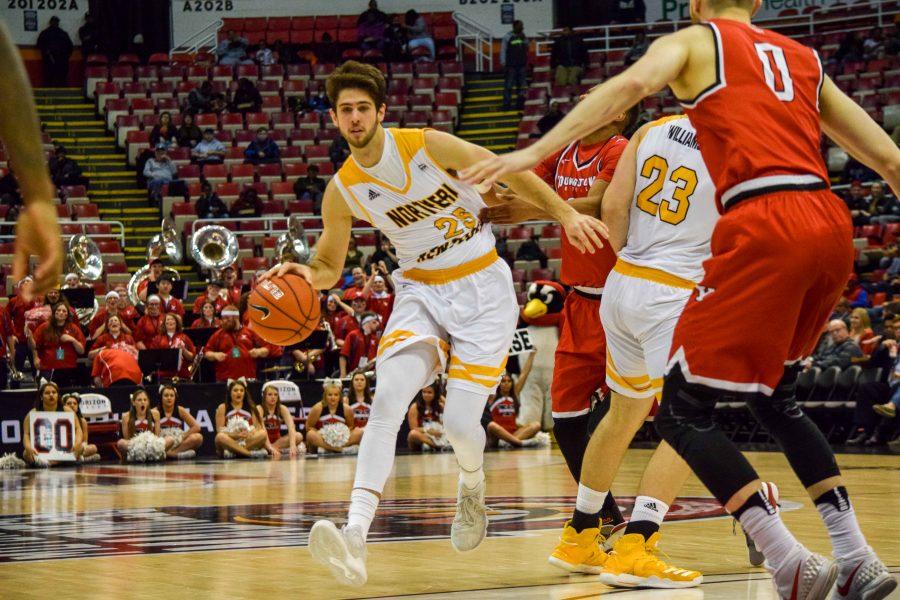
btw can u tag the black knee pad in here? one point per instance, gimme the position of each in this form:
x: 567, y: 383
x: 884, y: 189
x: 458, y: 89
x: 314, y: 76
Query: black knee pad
x: 809, y: 453
x: 684, y: 407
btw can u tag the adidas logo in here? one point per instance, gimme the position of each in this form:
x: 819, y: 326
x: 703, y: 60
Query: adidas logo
x: 373, y: 194
x: 651, y: 506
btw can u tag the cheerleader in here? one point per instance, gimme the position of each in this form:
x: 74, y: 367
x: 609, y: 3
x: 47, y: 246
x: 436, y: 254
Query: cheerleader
x: 360, y: 401
x: 172, y: 418
x: 275, y: 417
x: 84, y: 451
x: 247, y: 441
x: 331, y: 410
x: 424, y: 414
x: 47, y: 401
x: 504, y: 408
x: 139, y: 419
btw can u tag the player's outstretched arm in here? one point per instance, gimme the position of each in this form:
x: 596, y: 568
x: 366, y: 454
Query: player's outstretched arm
x: 325, y: 268
x: 453, y: 153
x: 662, y: 63
x: 617, y: 200
x: 37, y: 230
x: 844, y: 121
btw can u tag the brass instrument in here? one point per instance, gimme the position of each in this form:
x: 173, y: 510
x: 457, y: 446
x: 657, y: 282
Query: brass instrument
x: 85, y: 260
x: 214, y: 247
x: 14, y: 373
x: 293, y: 245
x: 165, y: 242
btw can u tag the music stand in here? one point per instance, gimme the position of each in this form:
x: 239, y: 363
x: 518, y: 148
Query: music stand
x: 79, y: 297
x: 316, y: 339
x: 154, y: 361
x: 200, y: 335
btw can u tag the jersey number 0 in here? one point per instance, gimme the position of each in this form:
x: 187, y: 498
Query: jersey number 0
x: 673, y: 211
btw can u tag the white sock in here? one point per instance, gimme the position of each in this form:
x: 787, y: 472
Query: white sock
x: 650, y: 509
x: 462, y: 425
x: 769, y: 534
x: 363, y: 504
x: 589, y: 501
x: 846, y: 538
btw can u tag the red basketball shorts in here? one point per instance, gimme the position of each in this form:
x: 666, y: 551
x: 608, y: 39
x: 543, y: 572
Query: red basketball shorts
x: 779, y: 264
x: 580, y: 365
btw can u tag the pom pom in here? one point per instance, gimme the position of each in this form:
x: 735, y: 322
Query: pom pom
x: 335, y: 435
x: 237, y: 425
x: 173, y: 432
x: 435, y: 431
x: 146, y: 447
x: 10, y: 461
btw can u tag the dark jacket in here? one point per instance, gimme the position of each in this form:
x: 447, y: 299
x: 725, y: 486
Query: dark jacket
x: 269, y: 148
x: 189, y: 135
x: 569, y: 51
x: 211, y: 206
x: 55, y: 43
x: 837, y: 355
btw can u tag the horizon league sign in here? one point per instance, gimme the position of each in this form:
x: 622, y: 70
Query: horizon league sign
x: 679, y: 10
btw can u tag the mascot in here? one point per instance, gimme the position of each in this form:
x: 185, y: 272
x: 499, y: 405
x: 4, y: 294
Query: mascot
x: 542, y: 315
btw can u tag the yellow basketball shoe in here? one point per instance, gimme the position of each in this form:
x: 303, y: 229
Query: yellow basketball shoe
x: 634, y: 563
x: 579, y: 552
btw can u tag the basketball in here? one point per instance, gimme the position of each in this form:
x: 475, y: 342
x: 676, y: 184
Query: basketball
x: 284, y: 310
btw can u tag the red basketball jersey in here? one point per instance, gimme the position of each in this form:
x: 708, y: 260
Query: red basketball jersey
x: 758, y: 125
x: 571, y: 172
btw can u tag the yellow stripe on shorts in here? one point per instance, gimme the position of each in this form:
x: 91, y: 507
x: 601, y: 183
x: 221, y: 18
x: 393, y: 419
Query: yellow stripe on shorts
x: 442, y: 276
x: 654, y: 275
x: 637, y: 383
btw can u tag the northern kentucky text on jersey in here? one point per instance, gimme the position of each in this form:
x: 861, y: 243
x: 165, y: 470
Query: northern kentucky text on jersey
x: 409, y: 213
x: 683, y: 137
x: 438, y: 250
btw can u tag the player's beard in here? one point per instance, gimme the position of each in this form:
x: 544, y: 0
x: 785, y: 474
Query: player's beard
x: 366, y: 138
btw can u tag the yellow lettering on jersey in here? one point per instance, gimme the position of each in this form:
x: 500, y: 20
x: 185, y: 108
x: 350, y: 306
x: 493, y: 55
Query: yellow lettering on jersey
x: 416, y: 210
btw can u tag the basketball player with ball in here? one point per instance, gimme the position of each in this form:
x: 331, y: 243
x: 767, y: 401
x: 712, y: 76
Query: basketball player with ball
x: 455, y: 301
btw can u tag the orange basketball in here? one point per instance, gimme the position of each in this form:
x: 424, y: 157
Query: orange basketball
x: 284, y: 310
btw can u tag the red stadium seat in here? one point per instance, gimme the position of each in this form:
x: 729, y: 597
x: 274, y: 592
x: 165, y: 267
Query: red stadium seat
x: 273, y: 207
x: 282, y: 190
x: 304, y: 37
x: 215, y: 173
x: 269, y: 173
x: 98, y: 229
x: 294, y: 170
x: 303, y: 23
x: 249, y: 71
x: 300, y: 207
x: 520, y: 233
x: 85, y: 211
x: 242, y: 173
x: 251, y: 264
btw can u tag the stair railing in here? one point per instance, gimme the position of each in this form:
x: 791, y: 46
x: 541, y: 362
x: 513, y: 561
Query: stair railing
x: 203, y: 39
x: 475, y: 38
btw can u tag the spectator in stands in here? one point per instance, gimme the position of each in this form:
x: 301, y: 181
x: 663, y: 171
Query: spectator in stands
x: 856, y: 202
x: 514, y: 60
x: 306, y: 355
x: 200, y: 99
x: 171, y: 335
x: 116, y: 367
x: 340, y: 318
x: 317, y: 102
x: 7, y: 344
x: 64, y: 170
x: 883, y: 208
x: 233, y: 50
x: 417, y: 33
x: 9, y: 188
x: 213, y: 294
x: 861, y: 330
x: 114, y: 336
x: 170, y: 304
x: 209, y: 205
x: 361, y: 346
x: 324, y: 51
x: 57, y: 345
x: 385, y: 256
x: 89, y: 36
x: 840, y: 353
x: 424, y: 415
x: 855, y: 294
x: 207, y: 317
x: 248, y: 204
x: 568, y: 57
x: 189, y: 135
x: 233, y: 287
x: 355, y: 257
x: 873, y: 45
x: 264, y: 55
x: 337, y: 152
x: 395, y: 38
x: 371, y: 26
x: 56, y: 49
x: 548, y: 121
x: 379, y: 299
x: 878, y: 397
x: 235, y: 349
x: 850, y: 48
x: 148, y: 326
x: 209, y: 150
x: 357, y: 282
x: 159, y: 171
x: 531, y: 250
x: 638, y: 48
x: 164, y: 132
x: 262, y: 150
x: 247, y: 98
x: 17, y: 307
x: 311, y: 187
x: 238, y: 403
x: 630, y: 11
x: 113, y: 307
x: 359, y: 304
x: 856, y: 171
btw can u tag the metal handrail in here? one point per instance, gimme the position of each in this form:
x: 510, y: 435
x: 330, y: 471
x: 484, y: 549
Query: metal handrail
x: 207, y: 37
x: 473, y: 36
x: 65, y: 236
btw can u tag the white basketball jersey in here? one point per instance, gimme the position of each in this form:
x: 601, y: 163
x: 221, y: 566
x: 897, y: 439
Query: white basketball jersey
x: 673, y: 210
x: 432, y: 220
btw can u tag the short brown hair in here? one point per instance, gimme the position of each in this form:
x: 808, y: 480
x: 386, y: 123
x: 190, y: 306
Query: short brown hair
x: 718, y: 5
x: 359, y: 76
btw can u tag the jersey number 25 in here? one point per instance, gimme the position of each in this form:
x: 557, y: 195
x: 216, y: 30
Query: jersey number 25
x: 671, y: 211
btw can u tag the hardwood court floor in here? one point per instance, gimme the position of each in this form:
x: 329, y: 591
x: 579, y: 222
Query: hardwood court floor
x: 237, y: 529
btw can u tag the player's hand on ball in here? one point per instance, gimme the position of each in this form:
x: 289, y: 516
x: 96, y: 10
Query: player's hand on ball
x: 584, y: 232
x: 38, y: 233
x: 282, y: 269
x: 485, y: 173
